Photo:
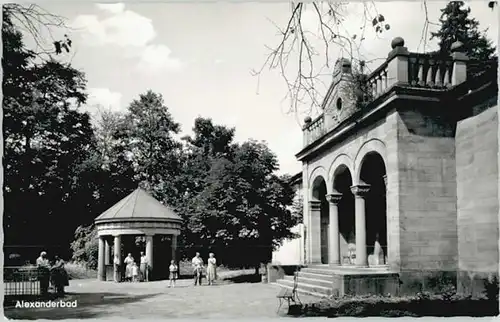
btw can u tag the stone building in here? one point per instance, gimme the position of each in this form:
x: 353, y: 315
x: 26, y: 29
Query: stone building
x: 400, y: 178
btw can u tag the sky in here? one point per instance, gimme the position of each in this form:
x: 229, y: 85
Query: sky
x: 199, y: 56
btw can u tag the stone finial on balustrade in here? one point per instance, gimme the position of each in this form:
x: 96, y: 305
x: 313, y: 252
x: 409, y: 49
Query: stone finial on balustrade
x: 397, y: 63
x: 307, y: 121
x: 306, y: 134
x: 459, y: 73
x: 398, y: 48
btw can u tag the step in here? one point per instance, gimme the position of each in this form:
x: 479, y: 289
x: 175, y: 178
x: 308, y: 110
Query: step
x: 311, y: 281
x: 346, y: 270
x: 318, y: 271
x: 326, y: 277
x: 302, y: 291
x: 307, y: 287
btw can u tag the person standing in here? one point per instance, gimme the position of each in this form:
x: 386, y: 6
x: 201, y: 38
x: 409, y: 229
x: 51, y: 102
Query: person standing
x: 197, y: 263
x: 59, y: 275
x: 43, y: 267
x: 174, y: 271
x: 117, y: 269
x: 211, y: 269
x: 129, y: 261
x: 144, y: 268
x: 135, y: 272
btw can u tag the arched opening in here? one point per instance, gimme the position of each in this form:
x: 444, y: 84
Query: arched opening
x: 373, y: 172
x: 319, y: 194
x: 342, y: 183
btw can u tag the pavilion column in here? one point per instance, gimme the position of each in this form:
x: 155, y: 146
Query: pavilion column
x: 315, y: 231
x: 117, y: 244
x: 174, y: 248
x: 359, y: 191
x: 149, y: 254
x: 107, y: 252
x: 333, y: 227
x: 101, y: 270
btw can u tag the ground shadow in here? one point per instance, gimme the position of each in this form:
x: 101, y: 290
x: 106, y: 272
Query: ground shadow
x: 89, y: 305
x: 247, y: 278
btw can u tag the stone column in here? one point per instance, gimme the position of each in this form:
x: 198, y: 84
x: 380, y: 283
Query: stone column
x: 117, y: 250
x: 149, y: 254
x: 386, y: 253
x: 101, y: 269
x: 107, y: 252
x: 174, y: 248
x: 334, y: 256
x: 359, y: 193
x: 315, y: 231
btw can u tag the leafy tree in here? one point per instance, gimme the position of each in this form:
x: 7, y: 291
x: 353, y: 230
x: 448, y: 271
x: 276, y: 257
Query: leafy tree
x: 242, y: 212
x: 148, y: 143
x: 209, y: 142
x: 46, y: 139
x: 456, y: 25
x: 298, y: 209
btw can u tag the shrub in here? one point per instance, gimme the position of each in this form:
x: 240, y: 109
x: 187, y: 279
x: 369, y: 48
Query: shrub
x: 491, y: 288
x: 79, y: 271
x: 424, y: 304
x: 85, y: 247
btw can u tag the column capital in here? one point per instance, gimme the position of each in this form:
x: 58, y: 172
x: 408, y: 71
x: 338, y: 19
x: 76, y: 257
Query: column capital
x: 334, y: 197
x: 315, y: 204
x: 360, y: 190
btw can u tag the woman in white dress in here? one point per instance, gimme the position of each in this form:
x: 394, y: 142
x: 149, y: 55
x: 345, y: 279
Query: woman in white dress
x: 211, y: 269
x: 129, y: 262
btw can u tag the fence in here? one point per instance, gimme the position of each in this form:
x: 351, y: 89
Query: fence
x: 21, y: 280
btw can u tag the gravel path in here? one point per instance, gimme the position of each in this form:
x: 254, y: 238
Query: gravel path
x: 155, y: 300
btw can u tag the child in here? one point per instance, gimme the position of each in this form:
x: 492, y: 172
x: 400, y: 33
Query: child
x: 135, y: 272
x: 173, y: 273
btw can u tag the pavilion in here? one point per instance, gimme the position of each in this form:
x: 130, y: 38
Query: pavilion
x: 138, y: 214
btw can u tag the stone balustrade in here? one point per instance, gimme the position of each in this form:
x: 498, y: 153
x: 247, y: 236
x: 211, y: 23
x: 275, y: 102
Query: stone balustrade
x: 314, y: 129
x: 378, y: 82
x: 403, y: 68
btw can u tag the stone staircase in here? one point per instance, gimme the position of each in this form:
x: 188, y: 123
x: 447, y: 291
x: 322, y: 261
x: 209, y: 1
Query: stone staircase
x: 325, y: 280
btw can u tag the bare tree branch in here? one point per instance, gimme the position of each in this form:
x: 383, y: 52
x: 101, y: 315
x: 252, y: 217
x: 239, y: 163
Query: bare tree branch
x: 38, y: 23
x: 296, y: 52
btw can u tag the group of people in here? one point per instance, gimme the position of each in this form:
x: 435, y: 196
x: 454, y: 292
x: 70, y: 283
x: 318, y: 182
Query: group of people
x: 198, y: 266
x: 133, y: 272
x: 54, y: 274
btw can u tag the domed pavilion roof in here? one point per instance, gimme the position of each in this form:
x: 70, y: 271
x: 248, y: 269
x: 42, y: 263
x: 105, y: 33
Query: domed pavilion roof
x: 138, y: 206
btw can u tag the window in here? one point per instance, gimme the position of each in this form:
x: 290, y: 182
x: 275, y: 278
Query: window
x: 339, y: 103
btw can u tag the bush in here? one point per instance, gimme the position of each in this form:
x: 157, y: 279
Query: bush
x: 424, y: 304
x: 78, y: 271
x: 491, y: 288
x: 85, y: 247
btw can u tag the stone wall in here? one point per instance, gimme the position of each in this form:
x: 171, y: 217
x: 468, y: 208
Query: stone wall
x: 477, y: 199
x: 426, y: 193
x: 291, y: 252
